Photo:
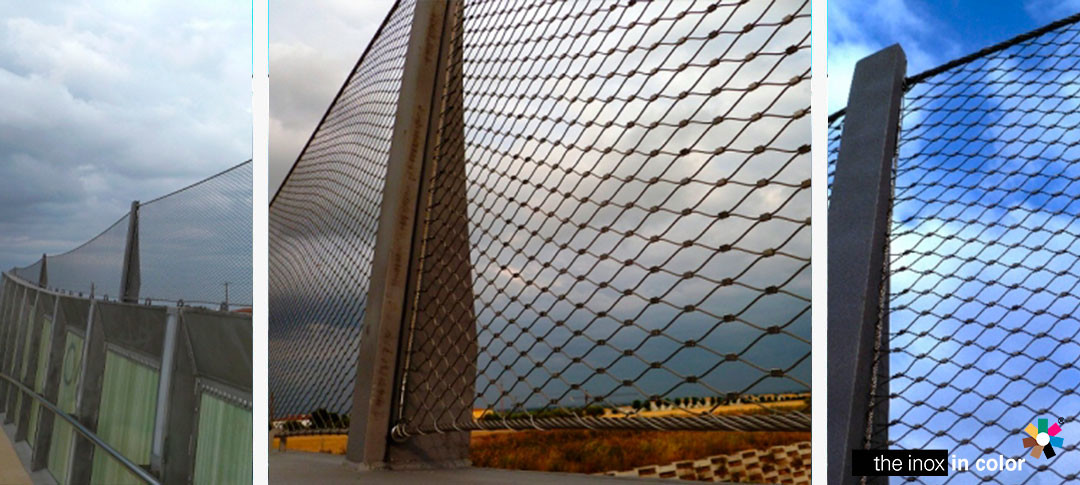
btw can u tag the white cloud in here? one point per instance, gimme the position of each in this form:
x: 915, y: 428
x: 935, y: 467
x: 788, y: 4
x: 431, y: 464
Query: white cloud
x: 313, y: 47
x: 841, y: 67
x: 1047, y: 11
x: 109, y: 102
x: 858, y: 29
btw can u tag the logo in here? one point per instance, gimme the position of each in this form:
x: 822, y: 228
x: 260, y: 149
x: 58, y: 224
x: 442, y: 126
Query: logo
x: 1043, y: 439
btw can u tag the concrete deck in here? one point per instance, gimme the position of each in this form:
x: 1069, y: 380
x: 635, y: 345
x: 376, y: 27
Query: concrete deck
x: 304, y: 468
x: 12, y: 467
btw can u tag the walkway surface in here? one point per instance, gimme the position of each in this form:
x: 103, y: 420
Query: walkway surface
x: 303, y: 468
x: 11, y: 468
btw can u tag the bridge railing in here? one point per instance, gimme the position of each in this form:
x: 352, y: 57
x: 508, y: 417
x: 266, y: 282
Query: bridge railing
x: 88, y: 383
x: 551, y: 215
x: 122, y: 389
x: 189, y: 247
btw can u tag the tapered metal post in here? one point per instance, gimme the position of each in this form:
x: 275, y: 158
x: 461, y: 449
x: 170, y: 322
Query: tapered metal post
x: 394, y: 270
x: 130, y: 277
x: 441, y: 319
x: 859, y: 210
x: 168, y: 351
x: 43, y: 276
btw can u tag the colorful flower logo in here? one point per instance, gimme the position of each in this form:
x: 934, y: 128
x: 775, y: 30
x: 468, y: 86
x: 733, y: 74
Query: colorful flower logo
x: 1042, y: 438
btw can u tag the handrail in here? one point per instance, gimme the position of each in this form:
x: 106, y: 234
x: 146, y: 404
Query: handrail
x: 65, y: 294
x: 131, y: 466
x: 11, y: 275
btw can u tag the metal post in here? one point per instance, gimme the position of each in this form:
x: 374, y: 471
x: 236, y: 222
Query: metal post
x: 441, y: 319
x: 212, y: 354
x: 164, y: 385
x: 858, y: 222
x: 410, y: 154
x: 130, y: 277
x: 43, y: 276
x: 178, y: 445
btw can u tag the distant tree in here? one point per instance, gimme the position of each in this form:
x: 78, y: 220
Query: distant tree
x: 636, y: 404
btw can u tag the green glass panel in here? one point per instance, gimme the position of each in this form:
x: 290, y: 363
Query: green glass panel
x: 60, y: 449
x: 39, y: 377
x: 25, y: 356
x: 125, y: 418
x: 223, y: 449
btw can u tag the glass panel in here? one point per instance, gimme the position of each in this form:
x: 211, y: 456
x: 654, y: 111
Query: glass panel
x: 126, y: 417
x: 60, y: 449
x: 223, y: 450
x: 29, y: 325
x: 39, y: 377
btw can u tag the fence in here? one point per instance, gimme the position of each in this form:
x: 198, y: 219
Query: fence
x: 550, y: 215
x: 100, y: 390
x: 190, y: 247
x: 977, y: 303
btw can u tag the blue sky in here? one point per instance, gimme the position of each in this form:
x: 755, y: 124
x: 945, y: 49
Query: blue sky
x: 931, y: 32
x: 985, y: 182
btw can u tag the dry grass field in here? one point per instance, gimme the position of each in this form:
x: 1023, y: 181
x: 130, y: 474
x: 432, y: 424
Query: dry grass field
x: 599, y: 451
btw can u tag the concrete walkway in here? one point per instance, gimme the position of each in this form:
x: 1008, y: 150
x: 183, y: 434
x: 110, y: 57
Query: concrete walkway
x: 304, y: 468
x: 11, y: 468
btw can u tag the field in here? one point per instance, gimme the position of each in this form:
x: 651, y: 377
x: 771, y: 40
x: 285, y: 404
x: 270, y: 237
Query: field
x: 599, y: 451
x: 585, y: 451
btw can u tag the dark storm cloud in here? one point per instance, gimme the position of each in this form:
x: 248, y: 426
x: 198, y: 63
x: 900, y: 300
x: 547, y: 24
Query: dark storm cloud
x: 111, y: 102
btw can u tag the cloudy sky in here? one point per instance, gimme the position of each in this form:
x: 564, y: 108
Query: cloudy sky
x: 110, y: 101
x: 313, y: 47
x: 680, y: 60
x: 979, y: 311
x: 931, y: 32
